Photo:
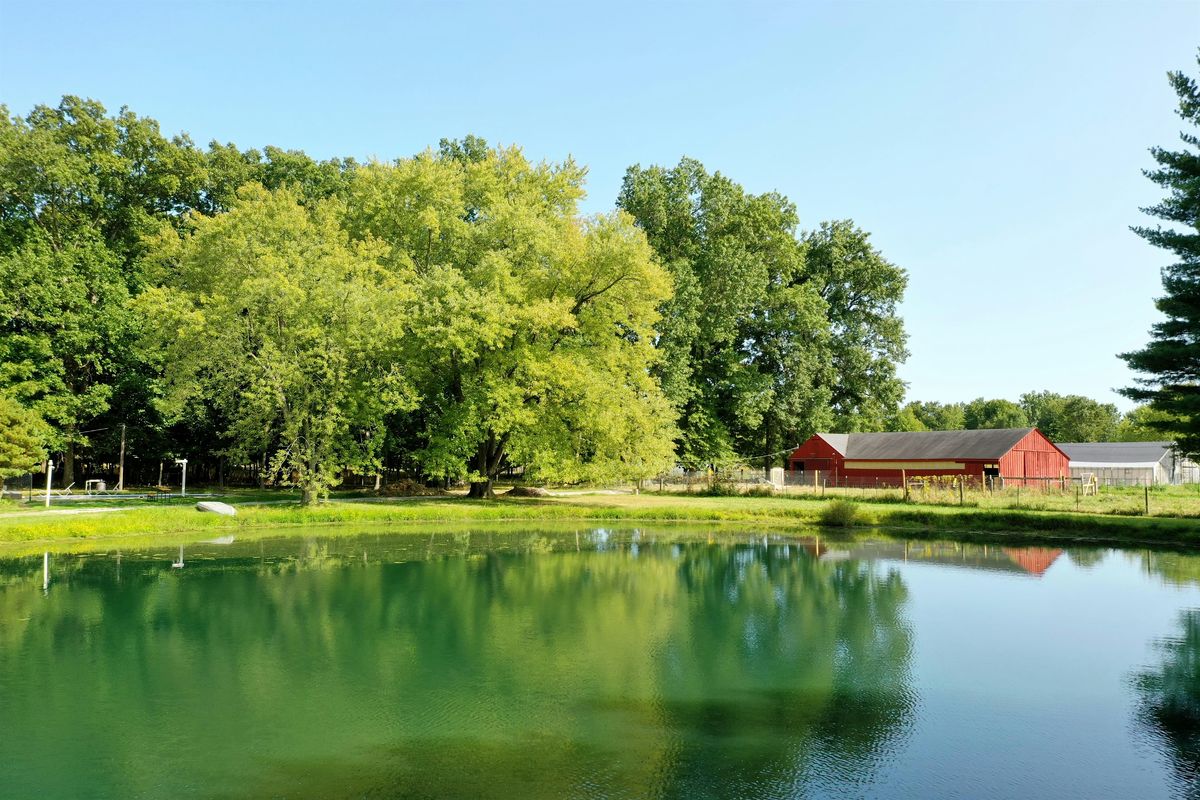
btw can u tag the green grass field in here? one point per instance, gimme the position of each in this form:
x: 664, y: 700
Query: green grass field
x: 1112, y: 520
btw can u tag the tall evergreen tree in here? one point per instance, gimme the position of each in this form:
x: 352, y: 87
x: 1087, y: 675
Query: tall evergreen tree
x: 1171, y: 361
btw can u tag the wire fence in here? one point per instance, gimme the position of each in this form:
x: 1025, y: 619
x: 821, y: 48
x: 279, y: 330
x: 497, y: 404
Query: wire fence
x: 1082, y: 493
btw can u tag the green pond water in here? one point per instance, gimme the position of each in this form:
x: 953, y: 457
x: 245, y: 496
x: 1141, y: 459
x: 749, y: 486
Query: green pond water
x: 599, y: 663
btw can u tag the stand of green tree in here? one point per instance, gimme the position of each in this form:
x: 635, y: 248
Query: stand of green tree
x: 1063, y: 418
x: 451, y: 314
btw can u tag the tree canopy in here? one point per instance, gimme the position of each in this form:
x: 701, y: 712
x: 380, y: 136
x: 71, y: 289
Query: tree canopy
x: 536, y: 326
x: 453, y: 312
x: 293, y: 333
x: 768, y: 336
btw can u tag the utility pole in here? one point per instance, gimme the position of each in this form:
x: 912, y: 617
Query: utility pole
x: 121, y: 463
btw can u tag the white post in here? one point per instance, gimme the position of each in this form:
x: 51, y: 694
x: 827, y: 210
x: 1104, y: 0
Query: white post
x: 183, y: 485
x: 49, y: 477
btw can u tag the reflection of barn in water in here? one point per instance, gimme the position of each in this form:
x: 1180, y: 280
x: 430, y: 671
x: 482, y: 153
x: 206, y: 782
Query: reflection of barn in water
x: 1032, y: 561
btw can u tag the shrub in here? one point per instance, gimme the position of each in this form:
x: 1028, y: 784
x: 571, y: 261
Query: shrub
x: 720, y: 489
x: 839, y: 514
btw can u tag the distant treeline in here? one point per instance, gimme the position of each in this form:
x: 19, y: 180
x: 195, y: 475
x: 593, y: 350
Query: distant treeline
x: 1063, y: 418
x: 450, y: 314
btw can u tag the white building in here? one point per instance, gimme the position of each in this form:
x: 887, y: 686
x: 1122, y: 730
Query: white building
x: 1130, y: 463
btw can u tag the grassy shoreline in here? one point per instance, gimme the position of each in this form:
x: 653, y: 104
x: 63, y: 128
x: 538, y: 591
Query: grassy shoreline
x: 913, y: 521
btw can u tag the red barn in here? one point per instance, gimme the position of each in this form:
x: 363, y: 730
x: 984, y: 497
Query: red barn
x: 1018, y: 455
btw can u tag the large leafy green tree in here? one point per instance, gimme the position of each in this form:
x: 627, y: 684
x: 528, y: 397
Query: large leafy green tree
x: 1143, y: 424
x: 270, y: 314
x: 229, y: 168
x: 930, y: 416
x: 79, y: 192
x: 742, y: 337
x: 982, y: 413
x: 767, y: 338
x: 1171, y: 361
x: 861, y: 290
x: 1072, y: 417
x: 22, y: 439
x: 535, y: 326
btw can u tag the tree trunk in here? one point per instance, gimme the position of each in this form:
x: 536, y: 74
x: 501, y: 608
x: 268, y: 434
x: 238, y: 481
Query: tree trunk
x: 68, y: 476
x: 312, y: 486
x: 768, y: 461
x: 482, y: 490
x: 488, y: 459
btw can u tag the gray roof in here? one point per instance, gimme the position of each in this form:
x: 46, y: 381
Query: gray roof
x: 919, y: 445
x: 1116, y: 452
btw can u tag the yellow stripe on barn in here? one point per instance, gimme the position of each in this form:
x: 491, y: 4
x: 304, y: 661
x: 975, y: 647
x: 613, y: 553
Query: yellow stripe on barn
x: 904, y: 465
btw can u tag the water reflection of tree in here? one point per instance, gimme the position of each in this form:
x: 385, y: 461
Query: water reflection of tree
x: 1086, y: 557
x: 795, y: 673
x: 684, y: 668
x: 1169, y: 702
x: 1179, y: 569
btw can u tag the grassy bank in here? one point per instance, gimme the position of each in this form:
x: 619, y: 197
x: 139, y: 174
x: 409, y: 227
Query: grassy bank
x: 779, y: 512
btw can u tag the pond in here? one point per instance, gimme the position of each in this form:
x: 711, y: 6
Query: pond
x: 599, y: 663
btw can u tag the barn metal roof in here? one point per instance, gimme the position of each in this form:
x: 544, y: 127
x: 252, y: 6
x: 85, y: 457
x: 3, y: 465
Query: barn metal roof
x: 1115, y: 453
x: 917, y: 445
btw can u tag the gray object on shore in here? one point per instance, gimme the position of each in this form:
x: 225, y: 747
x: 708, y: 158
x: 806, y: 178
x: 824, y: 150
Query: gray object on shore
x: 216, y: 508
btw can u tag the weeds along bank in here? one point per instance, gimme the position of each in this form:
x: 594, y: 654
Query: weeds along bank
x: 778, y: 513
x: 1156, y: 501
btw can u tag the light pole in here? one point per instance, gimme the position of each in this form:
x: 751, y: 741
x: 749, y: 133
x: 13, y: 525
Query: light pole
x: 183, y: 486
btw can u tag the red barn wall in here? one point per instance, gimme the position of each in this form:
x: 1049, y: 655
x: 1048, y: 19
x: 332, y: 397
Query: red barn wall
x: 1034, y: 456
x: 816, y: 454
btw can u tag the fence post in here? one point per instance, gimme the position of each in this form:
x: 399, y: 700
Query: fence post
x: 1147, y: 490
x: 960, y: 491
x: 904, y: 481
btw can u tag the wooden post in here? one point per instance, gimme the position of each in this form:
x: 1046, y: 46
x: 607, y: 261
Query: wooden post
x: 121, y: 463
x: 1147, y: 490
x: 960, y: 491
x: 904, y: 483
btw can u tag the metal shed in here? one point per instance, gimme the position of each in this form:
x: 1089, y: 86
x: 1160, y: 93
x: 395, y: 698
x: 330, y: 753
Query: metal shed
x: 1130, y: 463
x: 1018, y: 455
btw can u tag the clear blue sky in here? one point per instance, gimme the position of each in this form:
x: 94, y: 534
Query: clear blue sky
x: 994, y: 150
